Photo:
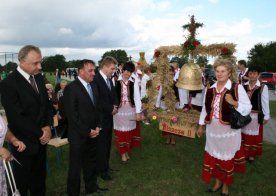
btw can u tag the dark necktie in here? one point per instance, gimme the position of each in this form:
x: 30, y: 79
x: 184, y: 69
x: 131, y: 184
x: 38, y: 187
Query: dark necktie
x: 108, y: 83
x: 32, y: 81
x: 90, y: 92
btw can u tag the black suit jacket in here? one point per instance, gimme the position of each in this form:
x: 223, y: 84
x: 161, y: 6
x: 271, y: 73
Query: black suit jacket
x: 107, y: 97
x: 82, y: 114
x: 27, y: 112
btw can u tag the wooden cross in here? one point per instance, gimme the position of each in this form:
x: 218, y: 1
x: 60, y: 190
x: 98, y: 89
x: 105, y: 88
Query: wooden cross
x: 192, y: 26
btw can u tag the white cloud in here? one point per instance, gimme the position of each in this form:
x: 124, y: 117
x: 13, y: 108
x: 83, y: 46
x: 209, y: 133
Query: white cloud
x: 190, y: 10
x: 266, y: 25
x: 87, y: 29
x: 229, y: 30
x: 64, y: 30
x: 213, y: 1
x: 163, y: 5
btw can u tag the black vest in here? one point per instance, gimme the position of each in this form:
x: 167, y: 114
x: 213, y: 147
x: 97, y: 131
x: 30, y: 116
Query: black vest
x: 255, y: 97
x: 130, y: 90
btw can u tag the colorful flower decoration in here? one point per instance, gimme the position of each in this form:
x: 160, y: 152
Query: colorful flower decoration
x: 174, y: 119
x: 226, y: 52
x: 154, y: 117
x: 190, y: 44
x: 156, y: 53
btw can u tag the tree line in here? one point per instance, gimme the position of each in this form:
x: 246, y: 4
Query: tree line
x: 261, y: 54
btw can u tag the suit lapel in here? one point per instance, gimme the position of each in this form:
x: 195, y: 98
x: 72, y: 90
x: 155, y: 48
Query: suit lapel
x: 84, y: 91
x: 26, y: 84
x: 104, y: 82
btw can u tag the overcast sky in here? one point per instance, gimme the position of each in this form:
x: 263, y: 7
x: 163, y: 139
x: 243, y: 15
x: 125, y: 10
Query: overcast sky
x: 88, y: 28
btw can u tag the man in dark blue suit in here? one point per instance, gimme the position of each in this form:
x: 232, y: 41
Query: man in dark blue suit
x: 104, y: 84
x: 29, y: 115
x: 81, y: 105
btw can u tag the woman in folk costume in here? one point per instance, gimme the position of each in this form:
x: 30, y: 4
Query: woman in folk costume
x: 129, y: 111
x: 223, y: 149
x: 252, y: 134
x: 5, y: 154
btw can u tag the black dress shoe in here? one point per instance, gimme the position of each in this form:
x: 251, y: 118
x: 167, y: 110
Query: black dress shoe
x: 105, y: 176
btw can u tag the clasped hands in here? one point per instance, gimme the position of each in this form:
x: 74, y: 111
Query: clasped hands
x: 94, y: 132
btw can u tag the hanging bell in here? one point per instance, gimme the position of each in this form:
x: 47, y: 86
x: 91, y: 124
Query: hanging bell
x: 190, y: 77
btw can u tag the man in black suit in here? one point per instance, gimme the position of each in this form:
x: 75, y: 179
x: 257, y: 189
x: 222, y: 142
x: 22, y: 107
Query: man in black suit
x: 83, y: 115
x: 29, y: 115
x: 109, y: 107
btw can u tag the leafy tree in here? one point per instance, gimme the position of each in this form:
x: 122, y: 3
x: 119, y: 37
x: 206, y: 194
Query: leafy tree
x: 73, y: 63
x: 119, y: 55
x: 10, y: 66
x: 51, y: 63
x: 264, y: 56
x: 180, y: 60
x: 202, y: 60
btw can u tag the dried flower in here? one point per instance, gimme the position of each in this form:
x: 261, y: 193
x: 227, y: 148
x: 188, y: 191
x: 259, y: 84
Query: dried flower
x: 226, y: 52
x: 190, y: 44
x: 174, y: 119
x: 156, y: 53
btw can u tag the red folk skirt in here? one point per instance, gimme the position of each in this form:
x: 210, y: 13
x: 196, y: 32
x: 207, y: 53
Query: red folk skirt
x: 126, y: 140
x: 253, y: 144
x: 223, y: 170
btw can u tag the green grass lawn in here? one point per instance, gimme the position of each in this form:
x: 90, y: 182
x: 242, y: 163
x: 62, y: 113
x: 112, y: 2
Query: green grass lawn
x: 50, y: 77
x: 272, y: 106
x: 160, y: 169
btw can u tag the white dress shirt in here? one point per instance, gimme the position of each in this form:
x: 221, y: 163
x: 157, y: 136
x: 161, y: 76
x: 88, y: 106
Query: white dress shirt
x: 144, y: 81
x: 176, y: 75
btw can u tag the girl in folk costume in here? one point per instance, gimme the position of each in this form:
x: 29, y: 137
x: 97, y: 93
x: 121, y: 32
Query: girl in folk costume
x: 252, y: 134
x: 5, y: 154
x: 126, y: 134
x: 223, y: 149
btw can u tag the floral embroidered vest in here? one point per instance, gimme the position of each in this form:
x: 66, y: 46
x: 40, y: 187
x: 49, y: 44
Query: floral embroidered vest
x: 224, y: 107
x: 130, y: 91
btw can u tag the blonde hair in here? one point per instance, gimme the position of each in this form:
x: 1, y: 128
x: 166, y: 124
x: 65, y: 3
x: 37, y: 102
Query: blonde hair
x: 48, y: 85
x: 230, y: 64
x: 108, y: 60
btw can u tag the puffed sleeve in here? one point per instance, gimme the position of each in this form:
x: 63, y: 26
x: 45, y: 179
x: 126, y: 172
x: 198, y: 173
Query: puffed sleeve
x: 265, y: 103
x: 244, y: 107
x: 203, y: 111
x: 137, y: 99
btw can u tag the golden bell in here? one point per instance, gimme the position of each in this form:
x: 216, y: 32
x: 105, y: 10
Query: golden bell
x: 190, y: 77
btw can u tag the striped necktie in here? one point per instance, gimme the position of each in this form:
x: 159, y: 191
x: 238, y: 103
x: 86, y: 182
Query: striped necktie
x: 90, y: 92
x: 32, y: 82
